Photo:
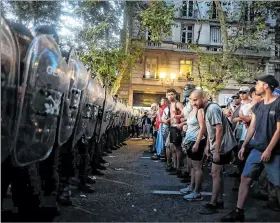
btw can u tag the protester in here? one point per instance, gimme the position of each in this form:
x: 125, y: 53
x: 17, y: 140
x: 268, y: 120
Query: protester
x: 236, y: 105
x: 220, y: 143
x: 195, y: 143
x: 175, y: 138
x: 146, y: 125
x: 162, y: 129
x: 265, y: 127
x: 245, y: 117
x: 154, y: 109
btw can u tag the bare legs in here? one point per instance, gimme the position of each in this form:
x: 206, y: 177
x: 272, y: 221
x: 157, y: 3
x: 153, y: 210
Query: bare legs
x: 217, y: 188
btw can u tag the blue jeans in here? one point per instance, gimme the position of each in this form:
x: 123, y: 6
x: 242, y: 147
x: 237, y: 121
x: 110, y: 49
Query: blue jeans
x: 254, y: 167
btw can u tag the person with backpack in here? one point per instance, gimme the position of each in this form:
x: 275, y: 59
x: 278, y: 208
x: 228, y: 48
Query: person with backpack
x: 263, y: 136
x: 220, y: 143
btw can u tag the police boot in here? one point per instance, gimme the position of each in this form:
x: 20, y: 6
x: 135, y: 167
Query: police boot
x: 102, y: 161
x: 104, y: 153
x: 91, y: 180
x: 101, y: 167
x: 64, y: 197
x: 115, y: 147
x: 49, y: 207
x: 97, y: 172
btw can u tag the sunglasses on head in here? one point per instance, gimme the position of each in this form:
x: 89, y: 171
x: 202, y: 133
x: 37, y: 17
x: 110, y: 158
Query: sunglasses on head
x: 243, y: 92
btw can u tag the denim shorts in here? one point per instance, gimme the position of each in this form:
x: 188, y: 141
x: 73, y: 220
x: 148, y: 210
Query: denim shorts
x: 254, y: 167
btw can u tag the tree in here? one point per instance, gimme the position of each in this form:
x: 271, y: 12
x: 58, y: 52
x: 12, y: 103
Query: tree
x: 158, y: 17
x: 32, y: 13
x: 108, y: 59
x: 217, y: 68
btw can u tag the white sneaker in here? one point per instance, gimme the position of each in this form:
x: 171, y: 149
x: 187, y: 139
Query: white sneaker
x: 186, y: 190
x: 193, y: 197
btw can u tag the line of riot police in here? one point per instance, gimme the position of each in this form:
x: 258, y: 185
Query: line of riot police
x: 57, y: 121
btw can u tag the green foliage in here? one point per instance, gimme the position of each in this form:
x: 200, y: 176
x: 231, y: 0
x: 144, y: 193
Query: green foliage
x: 215, y: 69
x: 106, y: 63
x: 158, y: 18
x: 35, y: 12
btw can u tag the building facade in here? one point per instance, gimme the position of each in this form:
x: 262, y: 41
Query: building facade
x: 172, y: 63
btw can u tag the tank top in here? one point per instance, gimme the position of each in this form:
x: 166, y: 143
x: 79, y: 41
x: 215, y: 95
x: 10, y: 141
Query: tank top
x: 193, y: 127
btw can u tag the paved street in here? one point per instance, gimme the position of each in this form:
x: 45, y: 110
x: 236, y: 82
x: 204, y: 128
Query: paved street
x: 125, y: 194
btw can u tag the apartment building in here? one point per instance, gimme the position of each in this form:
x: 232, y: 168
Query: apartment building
x: 170, y: 63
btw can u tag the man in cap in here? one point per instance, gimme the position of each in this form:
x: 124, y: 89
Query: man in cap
x: 263, y: 136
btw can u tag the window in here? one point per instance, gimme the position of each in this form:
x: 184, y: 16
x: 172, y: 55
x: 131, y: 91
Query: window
x: 151, y: 66
x: 187, y: 9
x: 148, y: 37
x: 185, y: 69
x: 251, y: 67
x: 213, y: 12
x: 215, y: 34
x: 187, y: 33
x: 249, y: 12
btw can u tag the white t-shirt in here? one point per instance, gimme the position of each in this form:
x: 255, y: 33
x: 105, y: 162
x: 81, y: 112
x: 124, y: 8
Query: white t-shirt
x: 165, y: 114
x: 186, y: 111
x: 245, y: 108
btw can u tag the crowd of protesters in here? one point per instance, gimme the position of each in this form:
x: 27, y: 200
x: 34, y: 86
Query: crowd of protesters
x: 245, y: 133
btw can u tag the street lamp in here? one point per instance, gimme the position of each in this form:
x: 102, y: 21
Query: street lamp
x: 167, y: 81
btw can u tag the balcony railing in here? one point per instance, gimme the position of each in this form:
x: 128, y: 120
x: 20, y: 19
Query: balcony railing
x: 150, y: 78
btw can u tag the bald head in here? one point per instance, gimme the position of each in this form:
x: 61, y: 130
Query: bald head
x: 197, y: 98
x: 198, y: 93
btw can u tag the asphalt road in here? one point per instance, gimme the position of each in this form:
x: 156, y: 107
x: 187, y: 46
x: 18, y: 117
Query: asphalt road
x: 125, y: 193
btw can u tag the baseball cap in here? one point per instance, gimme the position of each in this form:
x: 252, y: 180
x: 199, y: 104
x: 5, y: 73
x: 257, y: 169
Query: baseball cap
x: 236, y: 96
x: 270, y: 80
x: 244, y: 89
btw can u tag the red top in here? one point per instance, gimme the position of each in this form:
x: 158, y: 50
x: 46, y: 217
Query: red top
x: 160, y: 115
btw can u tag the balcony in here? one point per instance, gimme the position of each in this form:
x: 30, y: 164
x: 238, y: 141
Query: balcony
x: 150, y: 78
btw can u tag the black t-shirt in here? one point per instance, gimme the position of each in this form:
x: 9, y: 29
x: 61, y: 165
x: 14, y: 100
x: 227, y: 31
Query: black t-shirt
x: 267, y: 116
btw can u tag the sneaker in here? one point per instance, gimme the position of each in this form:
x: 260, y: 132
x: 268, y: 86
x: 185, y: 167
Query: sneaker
x: 193, y: 197
x: 186, y: 190
x: 208, y: 209
x: 155, y: 157
x: 234, y: 215
x: 173, y: 171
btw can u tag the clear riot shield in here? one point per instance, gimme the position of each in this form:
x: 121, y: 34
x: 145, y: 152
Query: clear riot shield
x: 97, y: 98
x: 47, y: 81
x: 9, y: 87
x: 72, y: 100
x: 84, y: 108
x: 106, y: 115
x: 116, y: 115
x: 112, y: 114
